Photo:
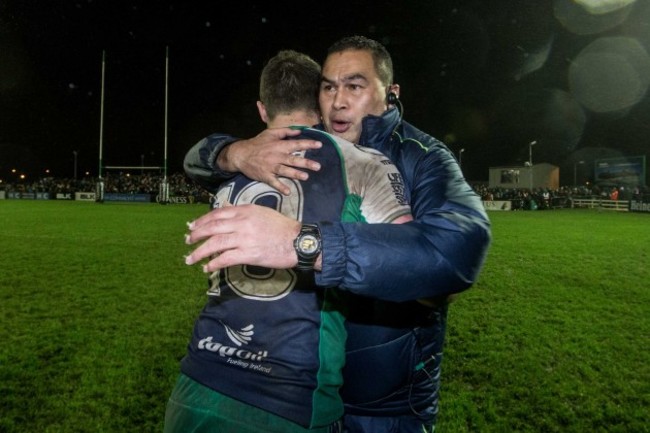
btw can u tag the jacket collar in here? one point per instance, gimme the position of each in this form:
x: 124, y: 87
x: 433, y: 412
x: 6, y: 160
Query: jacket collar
x: 377, y: 129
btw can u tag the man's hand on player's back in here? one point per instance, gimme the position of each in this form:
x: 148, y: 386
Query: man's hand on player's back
x: 268, y: 156
x: 243, y: 235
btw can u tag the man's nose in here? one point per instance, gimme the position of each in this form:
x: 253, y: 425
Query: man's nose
x: 339, y: 101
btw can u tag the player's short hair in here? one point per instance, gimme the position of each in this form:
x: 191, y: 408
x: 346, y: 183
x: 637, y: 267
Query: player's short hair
x: 290, y: 82
x: 380, y: 55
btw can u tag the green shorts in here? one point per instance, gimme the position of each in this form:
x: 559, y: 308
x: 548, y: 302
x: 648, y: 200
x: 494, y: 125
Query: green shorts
x: 194, y: 408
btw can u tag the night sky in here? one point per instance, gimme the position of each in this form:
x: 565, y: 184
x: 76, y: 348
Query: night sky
x: 487, y: 76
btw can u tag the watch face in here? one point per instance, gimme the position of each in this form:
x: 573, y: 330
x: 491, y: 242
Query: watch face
x: 308, y: 244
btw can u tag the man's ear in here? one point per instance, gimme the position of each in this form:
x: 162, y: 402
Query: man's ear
x: 262, y: 110
x: 395, y: 89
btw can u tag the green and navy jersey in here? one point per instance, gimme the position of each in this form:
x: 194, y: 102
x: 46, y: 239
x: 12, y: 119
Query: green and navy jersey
x: 272, y: 338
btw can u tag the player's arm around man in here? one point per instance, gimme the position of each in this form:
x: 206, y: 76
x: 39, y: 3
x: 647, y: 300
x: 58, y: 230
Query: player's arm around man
x: 444, y: 247
x: 265, y: 158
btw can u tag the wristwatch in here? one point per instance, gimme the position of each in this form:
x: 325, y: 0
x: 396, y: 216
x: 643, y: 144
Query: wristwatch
x: 307, y: 245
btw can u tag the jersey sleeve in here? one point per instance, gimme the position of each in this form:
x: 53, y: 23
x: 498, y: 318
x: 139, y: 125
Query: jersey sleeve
x: 381, y: 187
x: 200, y: 161
x: 437, y: 254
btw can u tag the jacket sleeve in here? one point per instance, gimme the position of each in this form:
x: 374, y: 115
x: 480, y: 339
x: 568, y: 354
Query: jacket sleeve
x: 439, y: 253
x: 200, y: 161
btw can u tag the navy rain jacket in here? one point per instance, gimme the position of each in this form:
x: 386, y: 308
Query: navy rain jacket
x: 395, y: 343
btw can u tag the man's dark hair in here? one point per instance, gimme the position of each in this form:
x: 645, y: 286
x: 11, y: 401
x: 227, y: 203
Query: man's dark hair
x: 290, y: 82
x: 380, y: 55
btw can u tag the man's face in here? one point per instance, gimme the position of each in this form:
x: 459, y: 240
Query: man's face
x: 349, y: 91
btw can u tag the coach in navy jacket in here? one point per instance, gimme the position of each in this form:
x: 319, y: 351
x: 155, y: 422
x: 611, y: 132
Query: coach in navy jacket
x: 401, y: 275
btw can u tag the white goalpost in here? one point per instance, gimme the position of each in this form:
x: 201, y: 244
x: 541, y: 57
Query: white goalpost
x: 164, y: 185
x: 163, y: 189
x: 99, y: 188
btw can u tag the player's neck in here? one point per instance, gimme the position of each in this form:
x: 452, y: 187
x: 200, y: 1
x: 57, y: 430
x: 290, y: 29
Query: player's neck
x: 295, y: 118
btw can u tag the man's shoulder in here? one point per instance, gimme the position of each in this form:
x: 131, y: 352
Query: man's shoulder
x: 408, y: 132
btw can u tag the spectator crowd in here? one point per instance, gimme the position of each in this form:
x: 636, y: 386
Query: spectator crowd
x: 546, y: 198
x: 180, y: 185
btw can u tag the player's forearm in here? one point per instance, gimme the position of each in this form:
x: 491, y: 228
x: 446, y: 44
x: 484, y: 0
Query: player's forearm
x: 201, y: 163
x: 227, y: 158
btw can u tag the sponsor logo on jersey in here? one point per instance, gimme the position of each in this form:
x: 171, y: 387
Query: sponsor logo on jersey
x: 242, y: 336
x: 397, y: 184
x: 236, y: 355
x: 224, y: 351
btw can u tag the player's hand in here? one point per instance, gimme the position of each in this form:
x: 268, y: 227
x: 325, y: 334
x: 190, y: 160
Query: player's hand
x: 268, y: 156
x: 243, y: 235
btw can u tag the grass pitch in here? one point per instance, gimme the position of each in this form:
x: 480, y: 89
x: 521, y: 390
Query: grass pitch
x: 97, y: 307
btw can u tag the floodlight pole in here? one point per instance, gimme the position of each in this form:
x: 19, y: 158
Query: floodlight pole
x: 530, y: 161
x: 460, y: 157
x: 74, y: 152
x: 575, y: 168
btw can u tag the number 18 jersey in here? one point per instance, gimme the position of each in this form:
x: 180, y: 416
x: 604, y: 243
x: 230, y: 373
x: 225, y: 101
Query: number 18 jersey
x: 272, y: 338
